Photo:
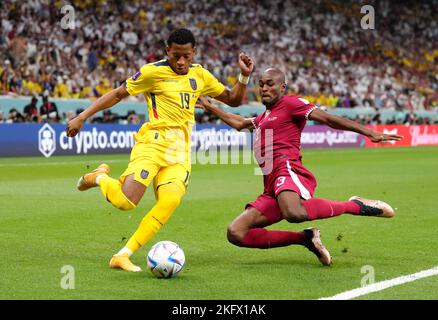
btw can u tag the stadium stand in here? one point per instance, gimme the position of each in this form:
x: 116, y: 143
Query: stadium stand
x: 386, y: 75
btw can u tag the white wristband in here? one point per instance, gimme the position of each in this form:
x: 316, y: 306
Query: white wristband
x: 242, y: 79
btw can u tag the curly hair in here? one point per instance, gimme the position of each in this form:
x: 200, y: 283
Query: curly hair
x: 181, y: 36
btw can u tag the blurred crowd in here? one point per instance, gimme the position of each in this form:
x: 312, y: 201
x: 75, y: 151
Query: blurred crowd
x: 47, y: 111
x: 327, y: 57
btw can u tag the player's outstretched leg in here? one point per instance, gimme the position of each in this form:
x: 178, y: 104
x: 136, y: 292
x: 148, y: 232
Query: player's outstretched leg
x: 88, y: 180
x: 248, y: 230
x: 266, y: 239
x: 375, y: 208
x: 168, y: 199
x: 314, y: 244
x: 296, y: 210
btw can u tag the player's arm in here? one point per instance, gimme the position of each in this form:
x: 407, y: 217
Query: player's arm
x: 234, y: 96
x: 104, y: 102
x: 233, y: 120
x: 341, y: 123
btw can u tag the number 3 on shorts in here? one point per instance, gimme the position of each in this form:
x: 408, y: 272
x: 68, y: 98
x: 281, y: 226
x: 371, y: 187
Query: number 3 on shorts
x: 280, y: 181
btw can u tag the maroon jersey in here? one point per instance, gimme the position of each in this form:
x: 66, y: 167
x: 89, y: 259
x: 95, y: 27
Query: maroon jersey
x: 278, y: 130
x: 277, y: 148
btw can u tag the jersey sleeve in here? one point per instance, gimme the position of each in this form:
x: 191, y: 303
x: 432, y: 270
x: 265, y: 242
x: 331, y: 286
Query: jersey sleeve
x: 212, y: 87
x: 141, y: 82
x: 300, y: 107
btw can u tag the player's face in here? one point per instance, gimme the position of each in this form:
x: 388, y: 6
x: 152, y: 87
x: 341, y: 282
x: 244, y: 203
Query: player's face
x: 271, y: 89
x: 180, y: 57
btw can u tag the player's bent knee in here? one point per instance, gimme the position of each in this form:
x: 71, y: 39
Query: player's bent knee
x: 234, y: 235
x: 295, y: 220
x: 123, y: 203
x: 295, y: 215
x: 126, y: 206
x: 169, y: 196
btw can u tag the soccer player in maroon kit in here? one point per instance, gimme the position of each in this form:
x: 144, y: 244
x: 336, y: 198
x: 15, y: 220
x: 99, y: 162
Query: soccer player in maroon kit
x: 288, y: 185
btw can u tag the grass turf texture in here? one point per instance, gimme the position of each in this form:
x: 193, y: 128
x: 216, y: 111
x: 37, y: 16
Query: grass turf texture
x: 46, y: 224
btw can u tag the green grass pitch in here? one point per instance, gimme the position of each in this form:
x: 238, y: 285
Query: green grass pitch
x: 46, y: 224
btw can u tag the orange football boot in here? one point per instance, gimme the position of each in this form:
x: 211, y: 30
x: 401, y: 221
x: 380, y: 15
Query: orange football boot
x: 88, y: 180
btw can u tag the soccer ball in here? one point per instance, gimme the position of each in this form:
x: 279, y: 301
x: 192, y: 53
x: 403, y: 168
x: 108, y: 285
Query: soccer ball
x: 165, y: 259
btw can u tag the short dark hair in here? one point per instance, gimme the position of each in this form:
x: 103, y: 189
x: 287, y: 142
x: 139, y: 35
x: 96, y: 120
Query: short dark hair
x: 181, y: 36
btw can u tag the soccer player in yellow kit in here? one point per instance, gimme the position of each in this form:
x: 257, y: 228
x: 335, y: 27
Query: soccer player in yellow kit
x: 161, y: 153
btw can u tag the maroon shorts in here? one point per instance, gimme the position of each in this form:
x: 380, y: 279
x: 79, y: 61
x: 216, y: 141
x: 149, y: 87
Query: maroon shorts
x: 287, y: 175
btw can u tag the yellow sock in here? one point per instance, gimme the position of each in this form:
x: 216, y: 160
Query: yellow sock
x: 112, y: 191
x: 132, y: 244
x: 168, y: 198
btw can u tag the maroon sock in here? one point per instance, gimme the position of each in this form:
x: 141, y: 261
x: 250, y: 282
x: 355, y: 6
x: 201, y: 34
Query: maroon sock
x: 321, y: 208
x: 265, y: 239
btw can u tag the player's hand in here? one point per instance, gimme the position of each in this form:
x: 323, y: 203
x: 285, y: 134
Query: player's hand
x: 203, y: 103
x: 74, y: 126
x: 383, y: 137
x: 246, y: 64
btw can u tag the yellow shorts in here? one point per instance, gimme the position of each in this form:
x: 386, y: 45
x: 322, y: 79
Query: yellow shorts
x: 157, y: 156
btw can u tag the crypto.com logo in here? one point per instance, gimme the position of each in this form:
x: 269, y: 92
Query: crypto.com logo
x: 46, y: 140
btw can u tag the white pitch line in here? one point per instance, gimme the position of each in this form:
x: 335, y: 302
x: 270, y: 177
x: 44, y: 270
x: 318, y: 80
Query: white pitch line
x: 382, y: 285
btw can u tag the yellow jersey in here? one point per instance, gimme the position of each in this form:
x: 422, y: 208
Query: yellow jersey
x: 171, y: 100
x: 170, y: 97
